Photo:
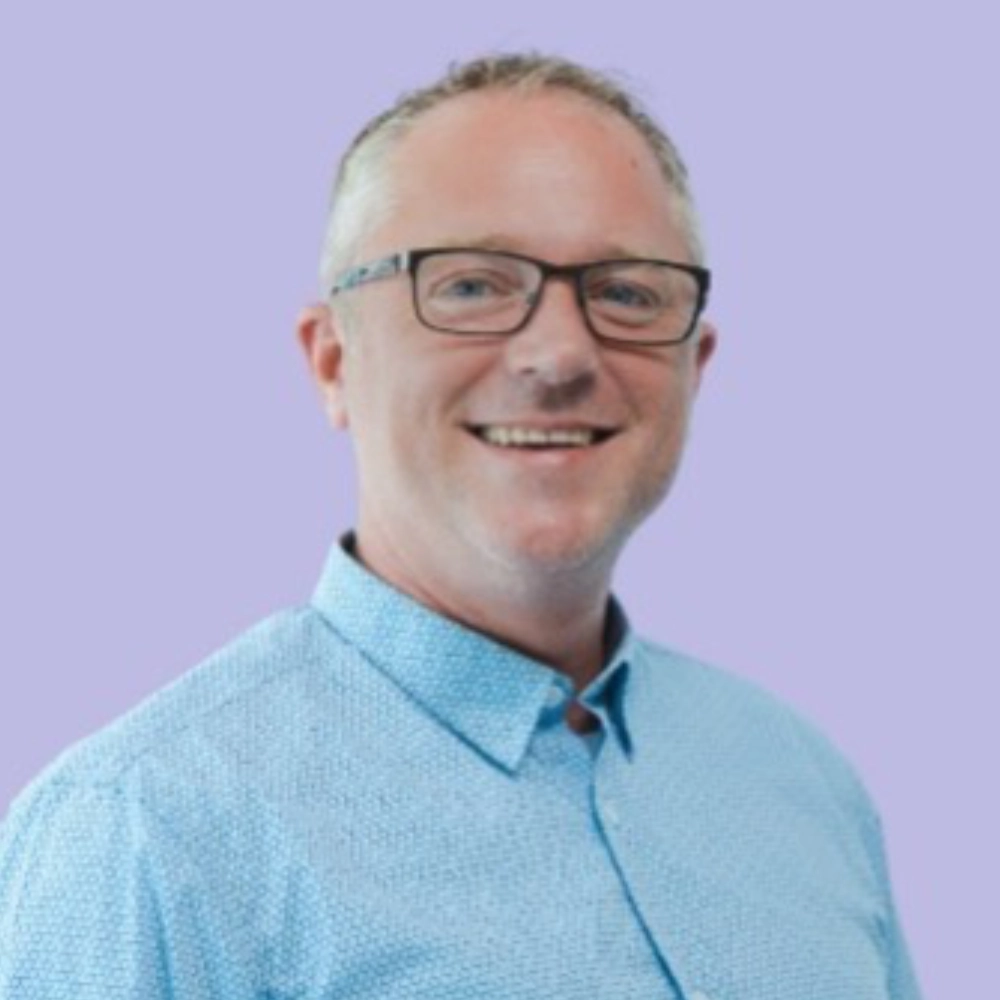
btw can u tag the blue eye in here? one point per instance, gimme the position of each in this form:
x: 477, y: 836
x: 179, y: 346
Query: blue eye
x: 475, y: 287
x: 624, y: 295
x: 468, y: 288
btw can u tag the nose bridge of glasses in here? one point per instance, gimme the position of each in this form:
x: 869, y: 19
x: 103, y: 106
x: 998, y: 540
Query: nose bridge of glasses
x: 556, y: 340
x: 569, y: 275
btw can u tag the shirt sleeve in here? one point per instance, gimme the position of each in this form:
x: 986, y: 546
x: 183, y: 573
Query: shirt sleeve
x: 902, y: 980
x: 93, y: 907
x: 865, y: 825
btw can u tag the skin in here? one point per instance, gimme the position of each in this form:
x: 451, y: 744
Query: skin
x: 516, y: 544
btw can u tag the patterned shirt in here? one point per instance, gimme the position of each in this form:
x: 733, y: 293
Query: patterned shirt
x: 361, y: 799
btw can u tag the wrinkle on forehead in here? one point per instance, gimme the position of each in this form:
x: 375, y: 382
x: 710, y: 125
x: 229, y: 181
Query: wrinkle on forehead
x: 542, y: 161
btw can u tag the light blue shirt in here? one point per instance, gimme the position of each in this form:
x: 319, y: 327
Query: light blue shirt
x: 361, y: 799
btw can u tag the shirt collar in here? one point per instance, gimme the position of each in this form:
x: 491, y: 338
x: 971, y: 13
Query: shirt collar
x: 492, y: 696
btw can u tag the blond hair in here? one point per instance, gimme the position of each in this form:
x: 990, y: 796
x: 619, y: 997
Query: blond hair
x: 361, y: 195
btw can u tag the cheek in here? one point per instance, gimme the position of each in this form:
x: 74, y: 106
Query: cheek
x: 404, y: 415
x: 657, y: 388
x: 666, y: 411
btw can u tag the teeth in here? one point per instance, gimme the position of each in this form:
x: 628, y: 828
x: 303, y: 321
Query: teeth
x: 519, y: 437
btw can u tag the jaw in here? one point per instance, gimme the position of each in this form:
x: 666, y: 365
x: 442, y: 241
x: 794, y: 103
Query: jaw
x: 555, y: 528
x: 553, y: 510
x: 515, y: 526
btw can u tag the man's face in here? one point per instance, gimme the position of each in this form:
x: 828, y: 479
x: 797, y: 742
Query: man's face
x: 553, y: 177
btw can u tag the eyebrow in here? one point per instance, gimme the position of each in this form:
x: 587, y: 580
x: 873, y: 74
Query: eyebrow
x: 499, y: 241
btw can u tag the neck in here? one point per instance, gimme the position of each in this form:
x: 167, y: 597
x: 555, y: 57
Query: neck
x: 557, y: 618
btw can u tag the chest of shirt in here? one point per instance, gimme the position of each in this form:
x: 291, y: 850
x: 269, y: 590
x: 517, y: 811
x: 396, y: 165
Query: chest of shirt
x: 428, y: 869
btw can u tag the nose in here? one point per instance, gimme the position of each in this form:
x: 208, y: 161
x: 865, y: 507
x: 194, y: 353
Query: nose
x: 555, y: 348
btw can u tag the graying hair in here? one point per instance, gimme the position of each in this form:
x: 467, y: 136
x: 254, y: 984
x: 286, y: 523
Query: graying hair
x: 361, y: 195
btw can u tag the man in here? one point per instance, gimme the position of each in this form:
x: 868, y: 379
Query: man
x: 458, y: 772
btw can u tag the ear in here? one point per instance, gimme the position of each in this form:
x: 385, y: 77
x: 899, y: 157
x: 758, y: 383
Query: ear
x: 322, y: 341
x: 707, y: 340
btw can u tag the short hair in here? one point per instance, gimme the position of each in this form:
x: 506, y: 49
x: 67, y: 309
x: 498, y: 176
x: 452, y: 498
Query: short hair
x: 362, y: 169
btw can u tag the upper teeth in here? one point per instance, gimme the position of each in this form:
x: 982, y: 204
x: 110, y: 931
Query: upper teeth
x: 513, y: 436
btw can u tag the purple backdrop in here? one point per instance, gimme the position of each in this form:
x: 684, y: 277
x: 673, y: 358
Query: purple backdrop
x: 168, y: 477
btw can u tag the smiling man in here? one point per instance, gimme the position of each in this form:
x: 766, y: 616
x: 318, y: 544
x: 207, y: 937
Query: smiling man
x: 513, y: 425
x: 457, y: 772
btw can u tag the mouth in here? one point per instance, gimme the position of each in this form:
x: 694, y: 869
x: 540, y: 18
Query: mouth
x: 540, y: 438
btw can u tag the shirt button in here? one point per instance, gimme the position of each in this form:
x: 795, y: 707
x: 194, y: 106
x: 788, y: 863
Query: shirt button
x: 612, y: 818
x: 698, y: 995
x: 556, y: 697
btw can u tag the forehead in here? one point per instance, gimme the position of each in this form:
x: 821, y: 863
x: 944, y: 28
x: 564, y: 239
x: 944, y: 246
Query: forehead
x: 548, y: 172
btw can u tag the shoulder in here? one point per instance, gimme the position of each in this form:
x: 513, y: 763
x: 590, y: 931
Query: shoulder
x: 163, y: 809
x: 732, y: 756
x: 727, y: 716
x: 245, y: 679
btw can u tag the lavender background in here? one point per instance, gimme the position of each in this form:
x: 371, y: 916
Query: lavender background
x: 168, y: 477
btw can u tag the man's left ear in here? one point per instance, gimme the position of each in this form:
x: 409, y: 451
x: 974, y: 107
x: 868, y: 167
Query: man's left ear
x: 322, y: 341
x: 707, y: 340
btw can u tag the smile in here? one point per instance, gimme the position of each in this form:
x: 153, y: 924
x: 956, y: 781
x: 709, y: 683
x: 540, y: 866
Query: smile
x: 536, y: 437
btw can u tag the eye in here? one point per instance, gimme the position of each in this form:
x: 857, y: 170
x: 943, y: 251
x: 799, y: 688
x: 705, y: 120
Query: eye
x: 471, y: 286
x: 475, y: 287
x: 625, y: 297
x: 622, y: 293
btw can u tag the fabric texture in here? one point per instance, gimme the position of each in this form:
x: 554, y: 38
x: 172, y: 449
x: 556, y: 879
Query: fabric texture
x: 361, y: 799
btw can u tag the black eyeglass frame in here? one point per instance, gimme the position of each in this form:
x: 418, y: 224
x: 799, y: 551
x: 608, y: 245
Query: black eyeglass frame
x: 409, y: 260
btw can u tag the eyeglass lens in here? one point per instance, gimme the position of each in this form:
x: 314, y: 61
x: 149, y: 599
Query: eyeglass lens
x: 482, y: 292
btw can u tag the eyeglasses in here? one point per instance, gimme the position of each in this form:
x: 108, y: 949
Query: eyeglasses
x: 469, y: 291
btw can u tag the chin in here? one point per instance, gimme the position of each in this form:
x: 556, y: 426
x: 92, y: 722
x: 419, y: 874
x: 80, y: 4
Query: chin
x: 557, y: 549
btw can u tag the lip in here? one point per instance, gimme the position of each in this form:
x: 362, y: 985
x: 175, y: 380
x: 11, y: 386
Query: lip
x: 542, y: 453
x: 601, y: 429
